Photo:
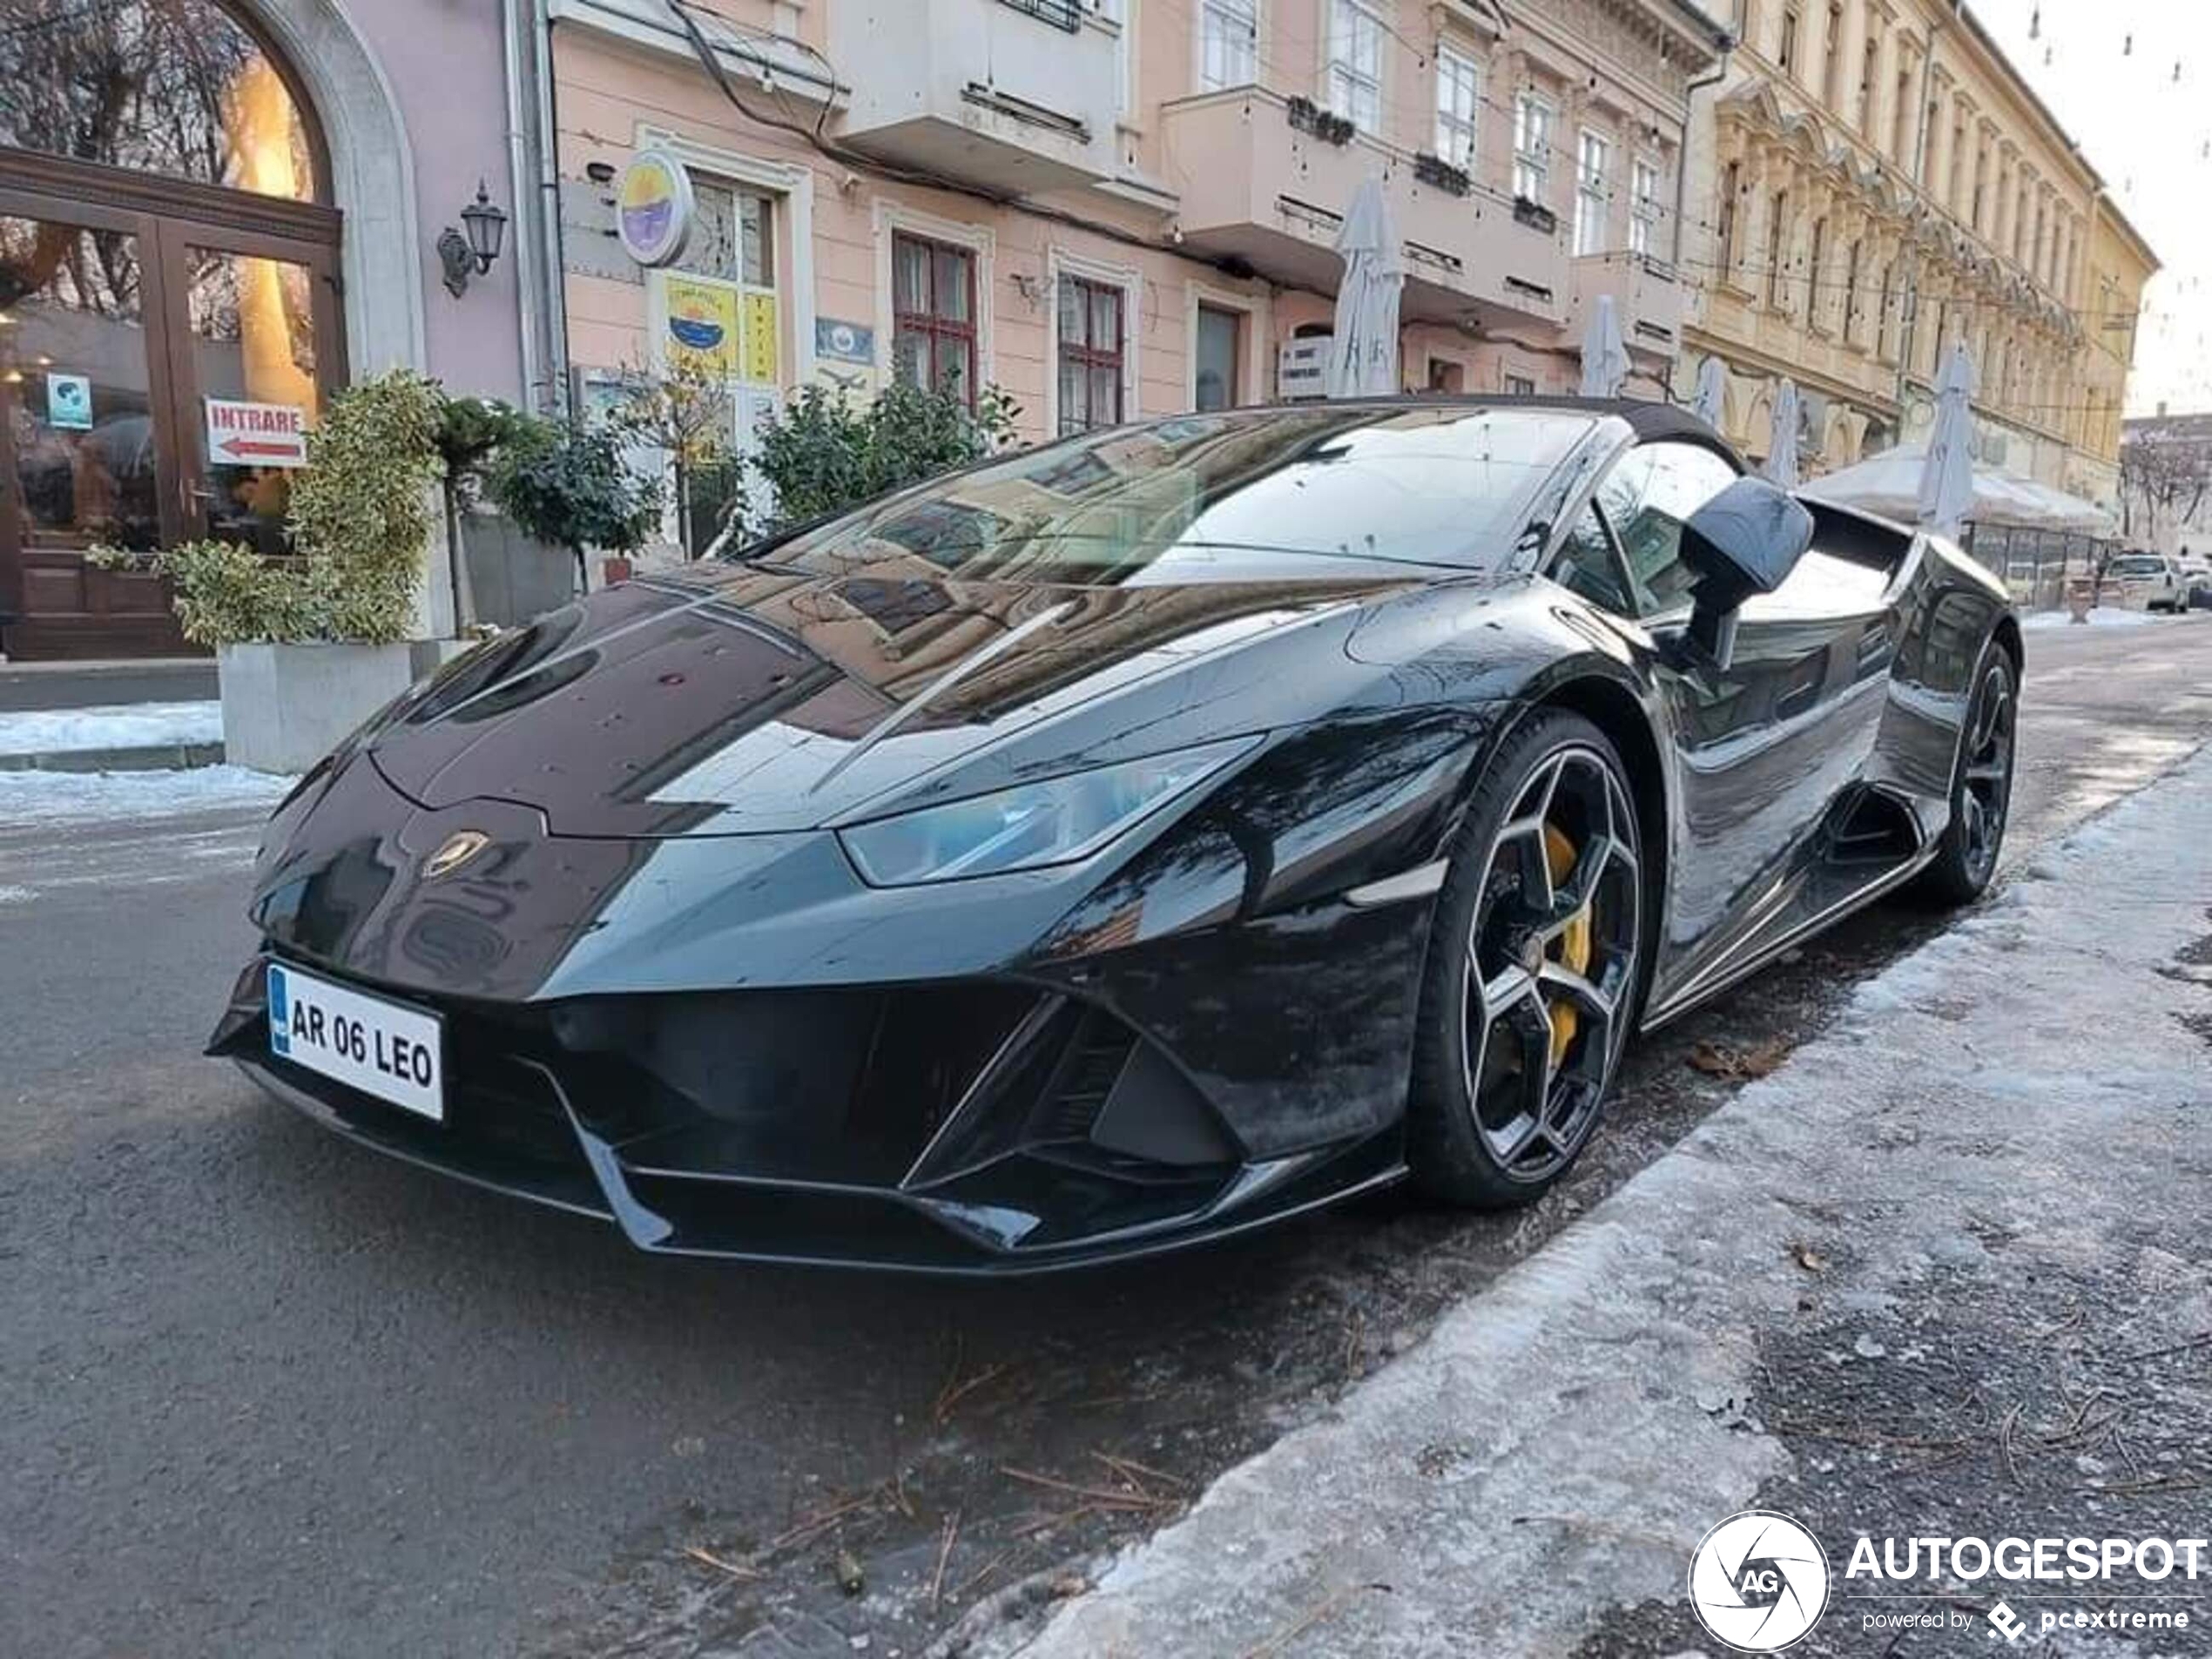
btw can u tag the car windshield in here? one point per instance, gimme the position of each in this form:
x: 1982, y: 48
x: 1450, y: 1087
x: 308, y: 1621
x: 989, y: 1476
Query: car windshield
x: 1255, y: 495
x: 2139, y: 566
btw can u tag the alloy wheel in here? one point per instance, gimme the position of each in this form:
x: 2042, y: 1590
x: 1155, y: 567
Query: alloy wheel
x: 1551, y: 959
x: 1985, y: 791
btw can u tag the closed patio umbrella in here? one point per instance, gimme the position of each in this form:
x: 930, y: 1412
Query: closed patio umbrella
x: 1947, y: 476
x: 1363, y: 357
x: 1605, y: 357
x: 1710, y: 403
x: 1782, y: 446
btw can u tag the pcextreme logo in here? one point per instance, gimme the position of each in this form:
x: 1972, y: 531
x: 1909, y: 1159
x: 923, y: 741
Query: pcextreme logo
x: 1759, y: 1581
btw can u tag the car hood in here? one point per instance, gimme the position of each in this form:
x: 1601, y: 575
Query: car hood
x: 741, y: 699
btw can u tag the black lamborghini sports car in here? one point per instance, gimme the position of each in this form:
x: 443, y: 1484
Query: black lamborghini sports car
x: 1129, y: 841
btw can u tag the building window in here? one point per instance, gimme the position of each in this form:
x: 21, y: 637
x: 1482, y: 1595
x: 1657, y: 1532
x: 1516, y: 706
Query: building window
x: 1901, y: 120
x: 1778, y: 292
x: 1834, y: 94
x: 1951, y: 185
x: 1532, y: 118
x: 933, y: 309
x: 1593, y: 158
x: 1459, y: 103
x: 1851, y: 295
x: 1869, y: 66
x: 1731, y: 186
x: 1792, y: 27
x: 1229, y: 44
x: 1643, y: 206
x: 1881, y: 317
x: 1520, y: 385
x: 1092, y: 344
x: 1355, y: 64
x: 1816, y: 269
x: 1981, y: 187
x: 732, y: 236
x: 1220, y: 349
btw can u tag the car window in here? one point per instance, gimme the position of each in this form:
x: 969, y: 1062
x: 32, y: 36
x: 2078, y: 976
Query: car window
x: 2139, y: 567
x: 1647, y: 498
x: 1587, y: 564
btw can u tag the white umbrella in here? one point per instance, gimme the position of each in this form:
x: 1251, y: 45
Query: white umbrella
x: 1710, y: 403
x: 1363, y: 357
x: 1605, y: 357
x: 1782, y: 447
x: 1948, y: 479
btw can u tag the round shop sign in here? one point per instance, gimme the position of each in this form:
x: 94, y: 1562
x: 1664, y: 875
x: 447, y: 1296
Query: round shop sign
x: 653, y: 207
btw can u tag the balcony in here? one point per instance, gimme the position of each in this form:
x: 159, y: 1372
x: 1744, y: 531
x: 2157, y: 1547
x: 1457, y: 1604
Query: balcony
x: 1259, y: 188
x: 1646, y: 297
x: 1010, y: 94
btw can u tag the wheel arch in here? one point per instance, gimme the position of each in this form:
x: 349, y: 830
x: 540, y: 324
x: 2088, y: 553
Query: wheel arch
x: 1613, y: 709
x: 2007, y: 635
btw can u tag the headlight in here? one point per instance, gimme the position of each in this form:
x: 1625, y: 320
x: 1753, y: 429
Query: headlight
x: 1054, y: 822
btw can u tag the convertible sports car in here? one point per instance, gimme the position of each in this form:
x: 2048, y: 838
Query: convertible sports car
x: 1128, y: 842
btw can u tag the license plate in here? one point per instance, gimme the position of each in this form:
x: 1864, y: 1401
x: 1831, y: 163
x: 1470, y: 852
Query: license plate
x: 381, y: 1049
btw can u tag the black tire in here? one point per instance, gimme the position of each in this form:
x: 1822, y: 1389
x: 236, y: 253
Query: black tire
x: 1458, y: 1147
x: 1966, y: 859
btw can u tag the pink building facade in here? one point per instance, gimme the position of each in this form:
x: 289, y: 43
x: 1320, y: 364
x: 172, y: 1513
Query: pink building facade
x: 1121, y: 209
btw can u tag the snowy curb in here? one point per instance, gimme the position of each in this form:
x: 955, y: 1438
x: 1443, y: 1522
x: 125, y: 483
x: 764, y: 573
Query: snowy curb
x: 113, y: 737
x: 158, y: 756
x: 1561, y: 1441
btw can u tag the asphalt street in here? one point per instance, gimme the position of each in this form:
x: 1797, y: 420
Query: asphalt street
x: 271, y: 1395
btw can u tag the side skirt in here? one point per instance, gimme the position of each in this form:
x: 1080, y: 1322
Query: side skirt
x: 1722, y: 974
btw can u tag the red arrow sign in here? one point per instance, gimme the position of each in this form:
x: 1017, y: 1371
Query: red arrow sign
x: 259, y: 447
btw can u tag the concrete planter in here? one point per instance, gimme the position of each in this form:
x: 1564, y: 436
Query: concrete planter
x: 287, y: 706
x: 512, y: 578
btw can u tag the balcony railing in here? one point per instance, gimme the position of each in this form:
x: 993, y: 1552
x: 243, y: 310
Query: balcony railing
x: 1061, y: 14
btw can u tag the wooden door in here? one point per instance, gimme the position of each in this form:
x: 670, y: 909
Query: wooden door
x: 125, y: 304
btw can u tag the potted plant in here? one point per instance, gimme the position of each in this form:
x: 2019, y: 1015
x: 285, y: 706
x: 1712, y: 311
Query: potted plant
x: 821, y: 454
x: 568, y: 485
x: 308, y: 644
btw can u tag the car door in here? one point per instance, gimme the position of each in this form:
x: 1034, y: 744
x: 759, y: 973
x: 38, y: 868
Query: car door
x: 1761, y: 750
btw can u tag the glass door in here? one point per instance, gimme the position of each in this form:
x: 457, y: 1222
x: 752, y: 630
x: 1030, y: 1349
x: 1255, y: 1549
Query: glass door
x: 250, y: 363
x: 87, y: 452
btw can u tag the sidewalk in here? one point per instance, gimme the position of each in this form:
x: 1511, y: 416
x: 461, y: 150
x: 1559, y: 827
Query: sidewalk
x: 89, y: 684
x: 1944, y: 1273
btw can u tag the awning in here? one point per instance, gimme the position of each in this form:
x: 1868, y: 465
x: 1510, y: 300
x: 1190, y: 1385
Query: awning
x: 1890, y: 484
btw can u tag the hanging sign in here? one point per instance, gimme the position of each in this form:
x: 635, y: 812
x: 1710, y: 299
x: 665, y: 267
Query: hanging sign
x: 702, y: 326
x: 653, y: 207
x: 240, y: 434
x: 69, y: 402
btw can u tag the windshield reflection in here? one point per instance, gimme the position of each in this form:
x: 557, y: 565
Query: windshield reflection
x: 1255, y: 495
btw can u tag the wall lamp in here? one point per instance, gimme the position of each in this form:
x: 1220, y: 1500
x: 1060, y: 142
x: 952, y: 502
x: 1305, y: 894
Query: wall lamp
x: 471, y: 254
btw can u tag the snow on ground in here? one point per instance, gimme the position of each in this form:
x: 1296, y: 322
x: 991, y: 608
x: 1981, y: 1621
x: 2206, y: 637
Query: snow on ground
x: 2103, y: 616
x: 120, y: 725
x: 58, y: 797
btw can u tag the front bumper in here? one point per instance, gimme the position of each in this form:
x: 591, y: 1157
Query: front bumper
x: 970, y: 1126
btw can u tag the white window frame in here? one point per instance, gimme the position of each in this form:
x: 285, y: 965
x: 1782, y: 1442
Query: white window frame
x: 1593, y: 196
x: 1130, y: 280
x: 1234, y: 26
x: 1347, y: 89
x: 794, y: 188
x: 1532, y: 161
x: 1459, y: 132
x: 981, y: 244
x: 1645, y: 208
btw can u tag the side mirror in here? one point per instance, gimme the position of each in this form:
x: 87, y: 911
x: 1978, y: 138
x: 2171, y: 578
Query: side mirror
x: 1746, y: 539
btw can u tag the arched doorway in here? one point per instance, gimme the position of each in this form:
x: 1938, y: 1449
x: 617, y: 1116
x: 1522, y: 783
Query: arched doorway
x: 169, y: 305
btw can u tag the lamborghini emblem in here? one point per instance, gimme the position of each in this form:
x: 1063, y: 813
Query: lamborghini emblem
x: 457, y: 849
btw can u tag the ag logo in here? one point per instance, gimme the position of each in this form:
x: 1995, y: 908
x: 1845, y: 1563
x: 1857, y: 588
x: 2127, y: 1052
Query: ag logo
x: 1759, y: 1581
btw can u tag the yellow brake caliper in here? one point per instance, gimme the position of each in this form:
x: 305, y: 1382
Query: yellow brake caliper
x: 1574, y: 944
